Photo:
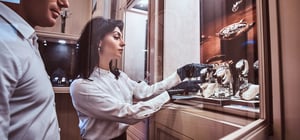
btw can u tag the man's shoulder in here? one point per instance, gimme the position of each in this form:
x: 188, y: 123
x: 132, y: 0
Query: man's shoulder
x: 14, y: 22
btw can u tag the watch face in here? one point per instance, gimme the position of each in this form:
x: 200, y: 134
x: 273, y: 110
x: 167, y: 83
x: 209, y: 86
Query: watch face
x: 220, y: 72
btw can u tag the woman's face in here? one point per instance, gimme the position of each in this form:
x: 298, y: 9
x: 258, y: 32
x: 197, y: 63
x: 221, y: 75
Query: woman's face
x: 112, y: 45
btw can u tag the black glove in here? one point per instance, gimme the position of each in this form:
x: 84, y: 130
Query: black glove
x: 185, y: 87
x: 191, y: 70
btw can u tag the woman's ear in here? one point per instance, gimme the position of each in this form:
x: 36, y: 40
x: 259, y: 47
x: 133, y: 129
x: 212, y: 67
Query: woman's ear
x: 100, y: 43
x: 99, y: 46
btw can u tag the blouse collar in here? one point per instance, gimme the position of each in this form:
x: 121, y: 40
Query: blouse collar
x: 99, y: 72
x: 102, y: 71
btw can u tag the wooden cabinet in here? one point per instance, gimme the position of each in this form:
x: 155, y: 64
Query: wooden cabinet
x: 78, y: 14
x: 180, y: 122
x: 67, y: 117
x: 164, y: 133
x: 66, y: 114
x: 138, y: 131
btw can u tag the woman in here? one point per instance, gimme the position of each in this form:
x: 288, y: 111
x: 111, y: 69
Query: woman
x: 103, y: 95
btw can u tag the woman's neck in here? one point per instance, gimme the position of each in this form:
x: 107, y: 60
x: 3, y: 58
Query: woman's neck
x: 104, y: 63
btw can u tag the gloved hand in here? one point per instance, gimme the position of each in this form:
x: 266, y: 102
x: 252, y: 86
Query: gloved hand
x: 191, y: 70
x: 185, y: 87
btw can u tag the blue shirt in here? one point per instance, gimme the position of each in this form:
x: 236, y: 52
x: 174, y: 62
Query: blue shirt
x: 27, y: 108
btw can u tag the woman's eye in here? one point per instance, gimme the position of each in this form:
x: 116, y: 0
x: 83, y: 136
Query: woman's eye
x: 116, y: 37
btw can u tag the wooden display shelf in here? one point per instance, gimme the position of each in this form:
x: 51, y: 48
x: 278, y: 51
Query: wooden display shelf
x: 236, y: 107
x: 61, y: 89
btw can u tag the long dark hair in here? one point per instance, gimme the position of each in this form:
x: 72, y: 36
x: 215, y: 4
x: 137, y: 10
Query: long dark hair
x: 94, y: 31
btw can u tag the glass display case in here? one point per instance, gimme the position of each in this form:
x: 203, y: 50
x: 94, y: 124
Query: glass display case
x: 233, y: 41
x: 60, y: 55
x: 228, y: 42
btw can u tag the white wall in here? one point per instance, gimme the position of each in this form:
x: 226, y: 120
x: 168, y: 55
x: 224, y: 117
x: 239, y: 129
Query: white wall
x: 103, y: 8
x: 135, y: 39
x: 181, y: 34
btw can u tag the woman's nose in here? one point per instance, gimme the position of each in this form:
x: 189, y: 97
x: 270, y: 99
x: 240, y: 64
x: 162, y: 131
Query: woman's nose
x: 63, y: 3
x: 122, y: 43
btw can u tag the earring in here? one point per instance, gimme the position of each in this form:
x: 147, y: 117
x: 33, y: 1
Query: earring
x: 99, y: 48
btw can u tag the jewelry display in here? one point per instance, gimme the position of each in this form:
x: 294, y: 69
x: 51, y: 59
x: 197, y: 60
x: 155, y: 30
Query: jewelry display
x: 242, y: 68
x: 217, y: 81
x: 236, y: 6
x: 234, y: 29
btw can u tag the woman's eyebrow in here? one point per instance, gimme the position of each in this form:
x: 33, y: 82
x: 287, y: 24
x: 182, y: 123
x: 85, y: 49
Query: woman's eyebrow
x: 117, y: 33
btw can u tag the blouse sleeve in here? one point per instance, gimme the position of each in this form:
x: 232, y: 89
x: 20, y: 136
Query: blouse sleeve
x: 88, y: 99
x: 143, y: 90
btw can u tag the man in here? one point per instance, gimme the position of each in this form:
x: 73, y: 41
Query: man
x: 27, y: 108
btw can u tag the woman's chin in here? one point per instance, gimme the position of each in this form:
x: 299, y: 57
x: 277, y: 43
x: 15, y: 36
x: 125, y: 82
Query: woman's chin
x: 119, y: 56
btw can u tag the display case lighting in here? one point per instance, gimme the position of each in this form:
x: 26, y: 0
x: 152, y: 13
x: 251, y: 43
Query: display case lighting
x: 45, y: 43
x: 62, y: 41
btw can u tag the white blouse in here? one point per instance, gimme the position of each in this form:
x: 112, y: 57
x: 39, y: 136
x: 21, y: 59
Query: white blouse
x: 105, y: 105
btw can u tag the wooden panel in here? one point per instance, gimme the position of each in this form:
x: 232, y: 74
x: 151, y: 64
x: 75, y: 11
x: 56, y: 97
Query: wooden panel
x: 67, y: 117
x: 164, y: 133
x: 138, y: 131
x: 289, y: 62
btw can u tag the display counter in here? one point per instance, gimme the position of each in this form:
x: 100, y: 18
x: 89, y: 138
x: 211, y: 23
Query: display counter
x: 61, y: 89
x: 237, y: 107
x: 192, y: 118
x: 176, y: 121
